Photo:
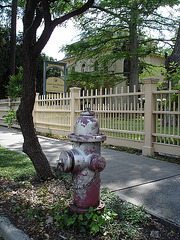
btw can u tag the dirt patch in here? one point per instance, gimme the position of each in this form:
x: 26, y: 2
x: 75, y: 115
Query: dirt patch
x: 31, y: 206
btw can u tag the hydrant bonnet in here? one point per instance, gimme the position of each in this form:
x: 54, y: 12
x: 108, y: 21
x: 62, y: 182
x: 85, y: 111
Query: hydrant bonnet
x: 87, y: 124
x: 87, y: 129
x: 85, y: 162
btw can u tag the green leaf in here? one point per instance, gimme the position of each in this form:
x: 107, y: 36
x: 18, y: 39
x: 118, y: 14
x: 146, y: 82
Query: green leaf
x: 80, y: 218
x: 89, y: 215
x: 70, y: 221
x: 94, y: 228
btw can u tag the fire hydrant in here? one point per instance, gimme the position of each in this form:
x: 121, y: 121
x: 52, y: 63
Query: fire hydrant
x: 85, y: 163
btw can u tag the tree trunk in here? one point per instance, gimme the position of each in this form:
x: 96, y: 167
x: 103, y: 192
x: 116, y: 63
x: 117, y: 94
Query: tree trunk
x: 174, y: 57
x: 13, y: 38
x: 134, y: 64
x: 31, y: 144
x: 37, y: 11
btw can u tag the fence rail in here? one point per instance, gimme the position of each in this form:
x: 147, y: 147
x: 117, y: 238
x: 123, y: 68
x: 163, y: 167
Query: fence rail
x: 166, y: 112
x: 5, y: 106
x: 146, y: 119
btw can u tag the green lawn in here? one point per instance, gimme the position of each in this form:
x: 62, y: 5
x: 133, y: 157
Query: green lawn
x: 15, y: 165
x: 118, y: 219
x: 135, y: 124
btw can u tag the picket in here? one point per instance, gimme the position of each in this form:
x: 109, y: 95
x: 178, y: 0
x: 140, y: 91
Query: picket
x: 145, y: 119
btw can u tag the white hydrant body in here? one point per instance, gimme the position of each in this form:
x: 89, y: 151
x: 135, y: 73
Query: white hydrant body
x: 85, y: 162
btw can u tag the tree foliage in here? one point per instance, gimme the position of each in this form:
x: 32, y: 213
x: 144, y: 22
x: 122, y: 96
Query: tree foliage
x: 8, y: 11
x: 5, y: 76
x: 115, y: 30
x: 88, y: 81
x: 48, y: 13
x: 173, y: 61
x: 4, y: 59
x: 14, y: 88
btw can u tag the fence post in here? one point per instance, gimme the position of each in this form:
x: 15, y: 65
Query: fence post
x: 75, y: 105
x: 149, y: 118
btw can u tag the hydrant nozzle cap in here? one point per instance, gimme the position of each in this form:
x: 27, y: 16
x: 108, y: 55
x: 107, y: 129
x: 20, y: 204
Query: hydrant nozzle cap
x: 97, y: 163
x: 65, y: 162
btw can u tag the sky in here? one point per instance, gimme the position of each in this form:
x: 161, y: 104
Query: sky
x: 60, y: 36
x: 66, y: 35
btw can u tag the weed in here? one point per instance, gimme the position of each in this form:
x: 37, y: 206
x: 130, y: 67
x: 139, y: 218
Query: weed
x: 35, y: 204
x: 51, y: 135
x: 129, y: 214
x: 10, y: 118
x: 91, y: 223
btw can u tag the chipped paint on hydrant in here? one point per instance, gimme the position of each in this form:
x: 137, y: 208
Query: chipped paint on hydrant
x: 85, y: 163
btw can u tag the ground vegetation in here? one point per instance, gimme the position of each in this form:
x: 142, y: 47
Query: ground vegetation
x: 40, y: 208
x: 114, y: 30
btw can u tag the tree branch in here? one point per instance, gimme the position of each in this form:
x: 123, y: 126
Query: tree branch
x: 74, y: 13
x: 105, y: 10
x: 46, y: 12
x: 6, y: 6
x: 50, y: 27
x: 29, y: 14
x: 32, y: 20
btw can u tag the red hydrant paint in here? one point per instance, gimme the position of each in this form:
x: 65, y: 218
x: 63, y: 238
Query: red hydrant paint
x: 85, y: 163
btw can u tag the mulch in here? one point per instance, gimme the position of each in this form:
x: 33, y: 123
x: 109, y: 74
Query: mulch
x: 30, y: 206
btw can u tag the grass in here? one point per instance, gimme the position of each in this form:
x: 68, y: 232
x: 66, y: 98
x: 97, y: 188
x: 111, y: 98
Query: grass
x: 40, y: 208
x: 135, y: 124
x: 168, y: 129
x: 123, y: 123
x: 15, y: 165
x: 51, y: 135
x: 18, y: 167
x: 162, y: 157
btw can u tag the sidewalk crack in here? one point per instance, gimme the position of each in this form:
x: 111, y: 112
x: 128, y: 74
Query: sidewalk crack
x: 141, y: 184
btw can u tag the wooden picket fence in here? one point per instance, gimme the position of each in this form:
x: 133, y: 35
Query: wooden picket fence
x: 146, y: 119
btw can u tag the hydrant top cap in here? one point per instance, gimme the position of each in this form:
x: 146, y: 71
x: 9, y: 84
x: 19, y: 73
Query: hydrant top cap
x: 87, y: 112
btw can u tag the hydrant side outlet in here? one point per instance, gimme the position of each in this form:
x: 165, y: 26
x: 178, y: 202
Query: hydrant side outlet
x: 85, y: 163
x: 97, y: 163
x: 66, y: 161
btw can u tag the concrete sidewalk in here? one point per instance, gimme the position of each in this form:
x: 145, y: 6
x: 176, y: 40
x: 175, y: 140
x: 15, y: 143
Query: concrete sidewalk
x: 137, y: 179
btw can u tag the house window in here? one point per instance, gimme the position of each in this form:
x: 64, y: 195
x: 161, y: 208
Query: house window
x: 96, y: 66
x: 105, y: 67
x: 126, y: 67
x: 83, y: 68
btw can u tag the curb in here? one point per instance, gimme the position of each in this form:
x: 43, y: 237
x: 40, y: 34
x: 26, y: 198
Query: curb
x: 166, y: 222
x: 9, y: 232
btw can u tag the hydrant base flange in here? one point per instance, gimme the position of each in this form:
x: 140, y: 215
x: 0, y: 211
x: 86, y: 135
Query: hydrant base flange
x: 80, y: 210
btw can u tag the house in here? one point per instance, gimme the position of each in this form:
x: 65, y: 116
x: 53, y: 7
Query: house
x: 118, y: 68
